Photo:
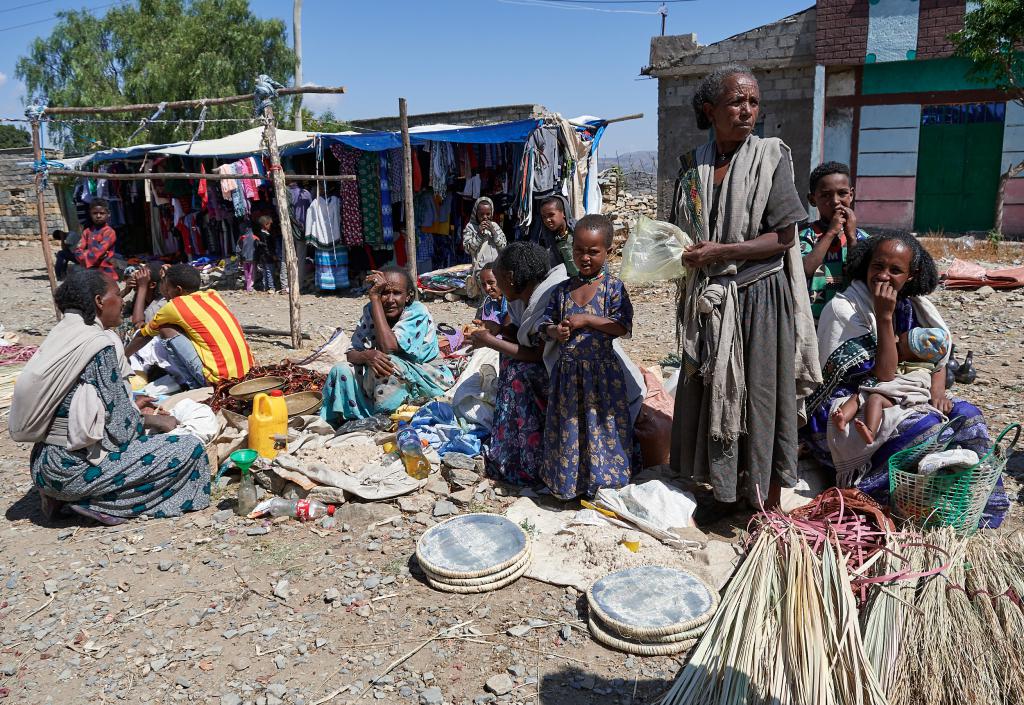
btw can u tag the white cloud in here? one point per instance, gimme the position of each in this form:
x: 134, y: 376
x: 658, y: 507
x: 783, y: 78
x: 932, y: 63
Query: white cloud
x: 319, y: 102
x: 3, y: 78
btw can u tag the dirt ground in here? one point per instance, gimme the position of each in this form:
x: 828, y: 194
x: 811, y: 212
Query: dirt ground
x: 195, y: 609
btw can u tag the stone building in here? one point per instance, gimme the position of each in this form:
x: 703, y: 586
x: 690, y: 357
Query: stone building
x: 18, y: 217
x: 875, y: 85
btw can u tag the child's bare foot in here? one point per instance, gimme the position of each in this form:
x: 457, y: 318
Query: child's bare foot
x: 839, y: 420
x: 866, y: 433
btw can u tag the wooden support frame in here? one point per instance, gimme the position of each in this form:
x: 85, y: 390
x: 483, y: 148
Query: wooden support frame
x: 277, y: 176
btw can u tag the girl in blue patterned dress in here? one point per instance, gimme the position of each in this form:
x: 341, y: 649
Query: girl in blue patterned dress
x: 588, y: 435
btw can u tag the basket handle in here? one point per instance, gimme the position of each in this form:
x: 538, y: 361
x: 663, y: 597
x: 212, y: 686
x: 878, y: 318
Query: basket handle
x: 1016, y: 428
x: 955, y: 425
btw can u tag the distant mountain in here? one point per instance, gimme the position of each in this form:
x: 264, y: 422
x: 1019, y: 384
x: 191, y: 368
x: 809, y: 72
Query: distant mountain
x: 645, y: 161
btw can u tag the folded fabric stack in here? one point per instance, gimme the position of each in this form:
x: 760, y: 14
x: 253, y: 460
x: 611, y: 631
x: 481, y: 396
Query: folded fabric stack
x: 473, y: 553
x: 650, y: 610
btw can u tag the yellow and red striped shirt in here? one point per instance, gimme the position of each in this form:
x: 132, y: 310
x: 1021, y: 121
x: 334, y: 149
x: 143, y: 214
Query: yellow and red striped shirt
x: 205, y: 319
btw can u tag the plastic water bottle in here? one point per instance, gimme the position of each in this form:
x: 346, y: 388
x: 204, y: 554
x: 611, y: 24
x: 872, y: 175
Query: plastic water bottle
x: 301, y: 509
x: 411, y: 449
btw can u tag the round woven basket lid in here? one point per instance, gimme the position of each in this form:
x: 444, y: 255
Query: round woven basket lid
x: 483, y: 579
x: 471, y: 545
x: 652, y: 601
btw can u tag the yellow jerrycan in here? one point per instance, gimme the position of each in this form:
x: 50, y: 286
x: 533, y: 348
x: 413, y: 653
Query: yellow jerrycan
x: 268, y: 424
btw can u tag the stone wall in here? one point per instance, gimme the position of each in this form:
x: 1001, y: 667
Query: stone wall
x: 781, y: 56
x: 18, y: 218
x: 470, y: 116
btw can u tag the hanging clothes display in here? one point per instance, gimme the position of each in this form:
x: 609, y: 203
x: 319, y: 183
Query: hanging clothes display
x: 368, y: 173
x: 351, y: 215
x: 396, y: 175
x: 386, y: 221
x: 323, y: 221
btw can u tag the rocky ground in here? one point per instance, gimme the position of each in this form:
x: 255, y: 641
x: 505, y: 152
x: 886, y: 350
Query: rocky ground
x: 212, y: 608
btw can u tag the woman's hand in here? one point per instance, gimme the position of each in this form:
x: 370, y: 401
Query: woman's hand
x: 702, y: 254
x: 376, y: 281
x: 943, y: 404
x: 481, y: 338
x: 577, y: 321
x: 884, y: 300
x: 379, y: 362
x: 142, y: 278
x: 161, y: 423
x: 144, y: 402
x: 560, y: 332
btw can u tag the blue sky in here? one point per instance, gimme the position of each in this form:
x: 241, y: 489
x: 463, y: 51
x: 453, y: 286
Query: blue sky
x: 449, y: 54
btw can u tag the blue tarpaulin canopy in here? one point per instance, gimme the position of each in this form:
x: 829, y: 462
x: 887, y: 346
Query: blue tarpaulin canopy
x: 484, y: 134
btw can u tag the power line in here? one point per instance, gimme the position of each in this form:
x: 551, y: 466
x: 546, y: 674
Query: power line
x: 28, y: 4
x: 54, y: 17
x: 621, y: 2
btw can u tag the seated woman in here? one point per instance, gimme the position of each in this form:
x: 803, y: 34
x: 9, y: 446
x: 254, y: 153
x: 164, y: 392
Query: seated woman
x: 516, y: 450
x: 394, y: 355
x: 889, y: 278
x: 91, y: 447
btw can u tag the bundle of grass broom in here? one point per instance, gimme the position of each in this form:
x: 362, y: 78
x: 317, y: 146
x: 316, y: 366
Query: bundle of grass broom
x: 939, y: 619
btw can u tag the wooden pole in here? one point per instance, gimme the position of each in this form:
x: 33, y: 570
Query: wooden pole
x: 195, y: 103
x: 44, y: 236
x: 410, y: 212
x: 297, y: 43
x: 210, y: 176
x: 284, y: 217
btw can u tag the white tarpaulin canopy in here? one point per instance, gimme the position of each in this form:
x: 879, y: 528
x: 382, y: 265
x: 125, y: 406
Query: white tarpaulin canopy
x: 237, y: 145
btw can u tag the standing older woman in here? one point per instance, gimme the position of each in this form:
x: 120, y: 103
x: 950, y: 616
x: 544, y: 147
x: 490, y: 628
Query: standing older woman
x: 747, y: 335
x: 889, y: 278
x: 394, y: 355
x: 91, y: 448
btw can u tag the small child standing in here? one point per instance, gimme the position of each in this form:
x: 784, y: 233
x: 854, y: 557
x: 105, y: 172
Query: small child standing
x: 588, y: 435
x: 494, y: 307
x: 827, y: 243
x: 264, y: 255
x: 95, y: 249
x: 920, y: 352
x: 482, y: 238
x: 558, y: 232
x: 247, y: 252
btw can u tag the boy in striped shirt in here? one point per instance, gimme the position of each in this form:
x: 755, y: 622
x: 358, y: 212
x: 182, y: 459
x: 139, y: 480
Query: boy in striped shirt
x: 202, y: 339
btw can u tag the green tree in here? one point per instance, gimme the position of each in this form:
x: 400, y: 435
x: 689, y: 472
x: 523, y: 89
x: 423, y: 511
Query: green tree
x: 11, y: 136
x: 324, y: 122
x: 992, y: 36
x: 157, y: 50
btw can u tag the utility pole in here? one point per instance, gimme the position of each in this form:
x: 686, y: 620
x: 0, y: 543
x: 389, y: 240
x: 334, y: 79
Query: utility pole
x: 297, y: 39
x: 663, y: 11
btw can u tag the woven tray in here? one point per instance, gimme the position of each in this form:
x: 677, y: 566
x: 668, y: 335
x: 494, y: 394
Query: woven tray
x: 471, y: 546
x: 483, y: 579
x: 638, y: 648
x: 648, y: 602
x: 488, y: 587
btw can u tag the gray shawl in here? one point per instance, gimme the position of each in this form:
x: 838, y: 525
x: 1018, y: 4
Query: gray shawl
x: 51, y: 373
x: 711, y: 334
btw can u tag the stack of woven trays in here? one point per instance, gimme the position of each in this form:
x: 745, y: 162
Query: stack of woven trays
x: 650, y: 610
x: 473, y: 553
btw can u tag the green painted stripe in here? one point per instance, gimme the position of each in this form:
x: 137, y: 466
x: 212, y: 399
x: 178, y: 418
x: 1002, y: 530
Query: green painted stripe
x: 918, y: 76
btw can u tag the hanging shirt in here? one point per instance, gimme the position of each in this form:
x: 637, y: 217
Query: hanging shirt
x: 96, y: 250
x: 323, y: 221
x: 217, y: 335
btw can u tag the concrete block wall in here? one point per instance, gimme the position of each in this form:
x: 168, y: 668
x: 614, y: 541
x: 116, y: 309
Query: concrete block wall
x: 470, y: 116
x: 18, y: 218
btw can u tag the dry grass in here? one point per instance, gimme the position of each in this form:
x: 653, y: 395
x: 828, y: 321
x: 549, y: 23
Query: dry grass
x: 947, y: 248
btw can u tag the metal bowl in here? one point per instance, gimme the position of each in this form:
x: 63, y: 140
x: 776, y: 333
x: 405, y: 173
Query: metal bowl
x: 245, y: 391
x: 302, y: 403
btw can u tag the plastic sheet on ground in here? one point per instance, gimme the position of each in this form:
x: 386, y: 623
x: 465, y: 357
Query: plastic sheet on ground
x: 575, y: 548
x: 437, y: 423
x: 970, y: 275
x: 474, y: 392
x: 654, y: 507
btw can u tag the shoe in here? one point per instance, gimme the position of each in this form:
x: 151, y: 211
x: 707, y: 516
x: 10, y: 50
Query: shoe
x: 105, y: 519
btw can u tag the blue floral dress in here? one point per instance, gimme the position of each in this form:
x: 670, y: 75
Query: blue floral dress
x: 159, y: 476
x: 588, y: 436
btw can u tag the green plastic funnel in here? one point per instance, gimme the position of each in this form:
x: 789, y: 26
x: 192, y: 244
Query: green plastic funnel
x: 243, y: 459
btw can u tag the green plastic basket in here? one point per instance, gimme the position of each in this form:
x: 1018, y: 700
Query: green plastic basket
x: 956, y: 499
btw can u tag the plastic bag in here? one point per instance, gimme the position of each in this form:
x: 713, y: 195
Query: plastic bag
x: 654, y: 252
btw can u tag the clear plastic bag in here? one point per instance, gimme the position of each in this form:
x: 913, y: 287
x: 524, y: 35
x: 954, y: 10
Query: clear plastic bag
x: 654, y: 252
